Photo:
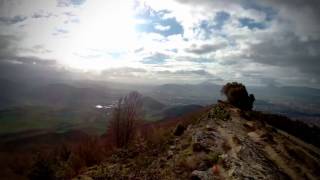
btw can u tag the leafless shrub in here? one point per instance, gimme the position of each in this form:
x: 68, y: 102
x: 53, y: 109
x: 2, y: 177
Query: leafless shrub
x: 125, y: 119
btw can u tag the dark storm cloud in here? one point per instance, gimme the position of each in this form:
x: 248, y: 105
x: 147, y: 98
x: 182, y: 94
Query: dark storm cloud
x: 289, y: 52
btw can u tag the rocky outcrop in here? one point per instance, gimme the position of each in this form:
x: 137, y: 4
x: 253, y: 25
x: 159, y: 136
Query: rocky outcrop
x: 221, y: 145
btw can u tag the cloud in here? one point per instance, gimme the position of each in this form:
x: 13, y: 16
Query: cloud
x: 174, y: 40
x: 199, y: 72
x: 65, y: 3
x: 185, y: 73
x: 252, y: 24
x: 9, y: 53
x: 33, y: 61
x: 7, y: 46
x: 128, y: 74
x: 123, y: 71
x: 157, y: 58
x: 12, y: 20
x: 205, y: 48
x: 60, y: 31
x: 161, y: 27
x: 33, y: 70
x: 42, y: 14
x: 289, y: 51
x: 157, y: 22
x: 280, y: 36
x: 124, y: 74
x: 211, y: 26
x: 302, y: 17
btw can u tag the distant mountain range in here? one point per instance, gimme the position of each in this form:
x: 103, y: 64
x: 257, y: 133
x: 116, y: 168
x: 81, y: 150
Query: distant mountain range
x: 208, y: 91
x: 61, y: 95
x: 301, y: 103
x: 295, y: 102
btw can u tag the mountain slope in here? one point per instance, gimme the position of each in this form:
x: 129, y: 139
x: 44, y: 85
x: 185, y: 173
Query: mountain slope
x: 219, y: 145
x: 177, y: 111
x: 150, y: 104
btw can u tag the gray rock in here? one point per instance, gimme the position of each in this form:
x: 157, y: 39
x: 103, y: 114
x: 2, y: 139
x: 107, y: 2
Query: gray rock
x: 202, y: 175
x: 206, y: 141
x: 170, y: 154
x: 209, y: 127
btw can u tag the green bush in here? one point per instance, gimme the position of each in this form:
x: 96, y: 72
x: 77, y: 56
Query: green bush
x: 237, y: 95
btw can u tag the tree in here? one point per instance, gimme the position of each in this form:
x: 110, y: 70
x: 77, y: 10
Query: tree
x: 125, y: 118
x: 237, y: 95
x: 43, y: 167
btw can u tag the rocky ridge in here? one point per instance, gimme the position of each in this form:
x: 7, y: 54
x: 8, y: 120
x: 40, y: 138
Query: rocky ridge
x: 219, y: 145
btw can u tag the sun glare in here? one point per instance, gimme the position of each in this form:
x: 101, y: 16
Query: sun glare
x: 107, y: 27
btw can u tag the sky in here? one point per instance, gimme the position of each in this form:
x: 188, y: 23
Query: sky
x: 267, y: 42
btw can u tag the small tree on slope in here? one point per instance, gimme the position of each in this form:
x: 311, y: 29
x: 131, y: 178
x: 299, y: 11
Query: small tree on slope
x: 126, y: 115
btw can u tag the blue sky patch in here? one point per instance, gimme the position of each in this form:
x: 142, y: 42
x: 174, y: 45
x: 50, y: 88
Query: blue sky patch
x: 66, y: 3
x: 215, y: 24
x: 269, y: 12
x: 220, y: 18
x: 252, y: 24
x: 153, y: 18
x: 77, y: 2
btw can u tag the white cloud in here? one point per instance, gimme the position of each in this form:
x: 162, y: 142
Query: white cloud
x: 161, y: 27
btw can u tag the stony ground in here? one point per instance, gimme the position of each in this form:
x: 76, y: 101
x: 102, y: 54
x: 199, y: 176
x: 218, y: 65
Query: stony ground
x: 220, y: 145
